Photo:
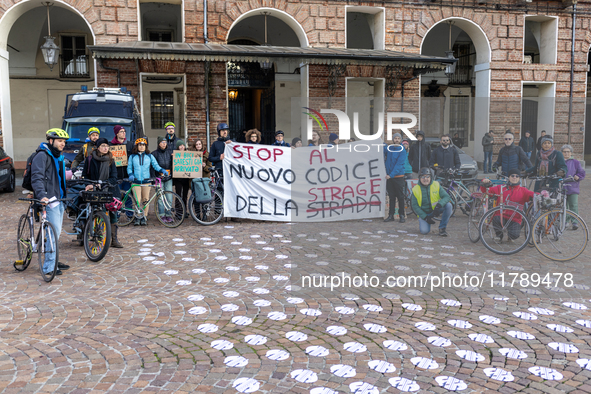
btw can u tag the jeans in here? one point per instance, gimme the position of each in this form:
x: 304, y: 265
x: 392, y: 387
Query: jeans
x: 487, y: 160
x: 395, y: 188
x: 572, y: 203
x: 54, y: 216
x: 166, y: 186
x: 528, y: 154
x: 425, y: 227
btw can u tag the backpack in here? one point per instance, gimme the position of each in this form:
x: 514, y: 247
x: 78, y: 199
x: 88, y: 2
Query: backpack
x: 27, y: 174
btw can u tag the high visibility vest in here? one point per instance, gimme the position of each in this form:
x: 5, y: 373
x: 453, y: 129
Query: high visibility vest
x: 433, y: 194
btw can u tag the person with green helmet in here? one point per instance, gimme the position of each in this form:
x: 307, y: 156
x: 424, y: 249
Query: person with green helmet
x: 170, y: 137
x: 48, y: 180
x: 93, y: 135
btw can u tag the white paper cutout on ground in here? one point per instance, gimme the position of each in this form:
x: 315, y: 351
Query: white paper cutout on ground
x: 304, y: 376
x: 584, y: 363
x: 584, y: 323
x: 424, y: 363
x: 451, y: 383
x: 242, y: 320
x: 310, y: 312
x: 499, y: 374
x: 145, y: 249
x: 394, y: 345
x: 179, y: 252
x: 180, y: 244
x: 412, y: 307
x: 171, y: 272
x: 439, y: 341
x: 560, y: 328
x: 221, y: 280
x: 513, y: 353
x: 236, y: 361
x: 294, y: 300
x: 277, y: 354
x: 142, y: 241
x: 246, y: 385
x: 280, y: 277
x: 149, y: 258
x: 545, y: 373
x: 183, y: 282
x: 404, y: 384
x: 541, y: 311
x: 261, y: 303
x: 336, y: 330
x: 425, y: 326
x: 261, y: 267
x: 158, y: 262
x: 188, y: 259
x: 197, y: 310
x: 232, y: 268
x: 221, y: 257
x: 470, y: 355
x: 564, y: 347
x: 208, y: 328
x: 521, y: 335
x: 260, y: 290
x: 296, y: 336
x: 252, y: 279
x: 343, y: 371
x: 277, y: 316
x: 489, y: 319
x: 229, y: 307
x: 177, y: 240
x: 451, y: 302
x: 363, y: 388
x: 230, y: 294
x: 575, y: 305
x: 375, y: 328
x: 525, y: 315
x: 482, y: 338
x: 255, y: 339
x: 323, y: 390
x: 195, y: 297
x: 199, y: 271
x: 245, y: 257
x: 381, y: 366
x: 460, y: 323
x: 214, y: 250
x: 350, y: 297
x: 355, y: 347
x: 222, y: 344
x: 317, y: 351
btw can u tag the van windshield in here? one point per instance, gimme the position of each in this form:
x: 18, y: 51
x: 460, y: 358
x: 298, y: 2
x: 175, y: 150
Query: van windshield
x: 79, y: 131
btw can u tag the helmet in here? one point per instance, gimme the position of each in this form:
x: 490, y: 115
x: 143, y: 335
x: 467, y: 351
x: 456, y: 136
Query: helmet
x: 114, y: 205
x: 94, y: 130
x: 56, y: 134
x: 141, y: 141
x: 169, y: 124
x: 223, y: 126
x: 425, y: 171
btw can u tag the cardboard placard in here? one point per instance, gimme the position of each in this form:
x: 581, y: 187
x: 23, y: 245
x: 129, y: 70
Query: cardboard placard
x: 186, y: 164
x: 119, y: 154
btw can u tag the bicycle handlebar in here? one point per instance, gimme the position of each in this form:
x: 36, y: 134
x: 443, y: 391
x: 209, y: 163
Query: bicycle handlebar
x: 41, y: 202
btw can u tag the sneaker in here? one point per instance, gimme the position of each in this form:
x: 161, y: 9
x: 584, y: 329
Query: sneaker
x: 442, y: 232
x: 62, y: 266
x: 58, y: 272
x: 167, y: 219
x: 137, y: 222
x: 143, y: 222
x: 575, y: 226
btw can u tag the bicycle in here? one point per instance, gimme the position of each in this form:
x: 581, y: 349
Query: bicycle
x: 481, y: 203
x: 92, y: 224
x: 501, y: 227
x: 168, y: 207
x: 460, y: 192
x: 550, y: 233
x: 209, y: 212
x: 45, y: 243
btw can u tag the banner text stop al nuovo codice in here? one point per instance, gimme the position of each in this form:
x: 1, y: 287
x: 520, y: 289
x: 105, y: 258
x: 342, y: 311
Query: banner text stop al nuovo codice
x: 307, y: 184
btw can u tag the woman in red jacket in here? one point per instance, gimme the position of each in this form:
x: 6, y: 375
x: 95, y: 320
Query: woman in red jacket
x: 512, y: 192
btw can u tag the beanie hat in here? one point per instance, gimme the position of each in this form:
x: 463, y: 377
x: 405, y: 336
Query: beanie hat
x: 296, y: 140
x: 160, y: 139
x: 547, y: 138
x: 396, y: 135
x: 101, y: 141
x: 514, y: 171
x: 117, y: 128
x: 179, y: 143
x: 333, y: 137
x: 279, y: 132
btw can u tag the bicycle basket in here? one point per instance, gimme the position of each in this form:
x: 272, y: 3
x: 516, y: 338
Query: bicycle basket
x: 201, y: 190
x: 96, y: 197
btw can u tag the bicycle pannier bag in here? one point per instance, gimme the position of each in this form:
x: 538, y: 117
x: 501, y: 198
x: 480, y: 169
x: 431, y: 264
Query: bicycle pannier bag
x: 201, y: 190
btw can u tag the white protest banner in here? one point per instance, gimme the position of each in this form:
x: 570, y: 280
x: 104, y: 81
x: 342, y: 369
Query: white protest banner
x: 308, y: 184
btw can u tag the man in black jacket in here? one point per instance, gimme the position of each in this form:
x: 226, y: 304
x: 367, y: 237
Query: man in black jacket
x: 48, y: 180
x: 216, y: 153
x: 419, y: 154
x: 527, y: 144
x: 511, y: 156
x: 445, y: 156
x: 171, y: 137
x: 163, y: 156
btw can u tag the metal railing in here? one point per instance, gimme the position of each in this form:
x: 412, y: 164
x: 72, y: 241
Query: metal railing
x: 74, y: 68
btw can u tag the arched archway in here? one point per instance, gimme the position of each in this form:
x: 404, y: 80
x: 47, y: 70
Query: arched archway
x: 261, y: 96
x: 27, y: 23
x: 467, y: 92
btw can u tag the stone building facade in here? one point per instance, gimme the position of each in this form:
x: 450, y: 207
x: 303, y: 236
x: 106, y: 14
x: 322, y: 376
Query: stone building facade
x: 514, y: 63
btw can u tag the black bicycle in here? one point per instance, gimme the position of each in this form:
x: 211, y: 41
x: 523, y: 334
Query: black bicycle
x: 210, y: 209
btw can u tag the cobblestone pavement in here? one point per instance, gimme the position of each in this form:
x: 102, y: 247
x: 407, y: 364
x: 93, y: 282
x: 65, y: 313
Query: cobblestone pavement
x: 209, y: 309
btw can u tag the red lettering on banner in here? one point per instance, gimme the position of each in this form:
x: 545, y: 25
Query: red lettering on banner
x: 315, y: 154
x: 326, y: 156
x: 264, y: 150
x: 276, y: 153
x: 314, y: 194
x: 248, y: 148
x: 361, y: 192
x: 348, y: 190
x: 375, y: 183
x: 237, y: 150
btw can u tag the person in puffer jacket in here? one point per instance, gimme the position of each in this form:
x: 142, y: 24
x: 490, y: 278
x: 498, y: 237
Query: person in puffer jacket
x: 511, y: 156
x: 577, y: 171
x: 138, y: 168
x: 396, y: 157
x: 419, y: 153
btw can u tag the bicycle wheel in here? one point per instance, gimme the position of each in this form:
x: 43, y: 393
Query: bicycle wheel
x: 504, y: 230
x: 407, y: 203
x: 128, y: 209
x: 209, y: 213
x: 169, y: 209
x: 454, y: 206
x: 554, y: 237
x: 47, y: 247
x: 97, y: 236
x: 23, y: 244
x: 476, y: 213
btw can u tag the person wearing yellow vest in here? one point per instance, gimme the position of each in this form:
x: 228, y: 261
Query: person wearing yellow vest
x: 429, y: 200
x: 86, y: 149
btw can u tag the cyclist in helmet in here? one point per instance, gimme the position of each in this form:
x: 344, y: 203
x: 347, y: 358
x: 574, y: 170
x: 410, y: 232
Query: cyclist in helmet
x: 93, y: 135
x: 170, y: 137
x: 216, y: 153
x: 100, y: 166
x: 429, y: 200
x: 48, y: 179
